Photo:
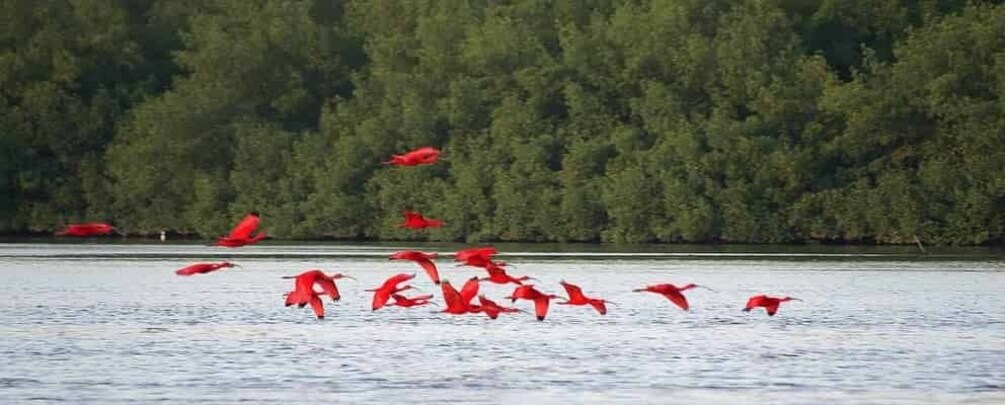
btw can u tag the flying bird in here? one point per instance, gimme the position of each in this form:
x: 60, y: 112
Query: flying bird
x: 303, y: 290
x: 477, y: 257
x: 422, y: 156
x: 498, y: 275
x: 672, y: 292
x: 389, y: 287
x: 492, y: 309
x: 459, y: 302
x: 576, y: 297
x: 86, y: 229
x: 241, y: 235
x: 541, y: 300
x: 403, y: 301
x: 303, y: 286
x: 770, y: 304
x: 423, y: 259
x: 414, y: 220
x: 203, y: 268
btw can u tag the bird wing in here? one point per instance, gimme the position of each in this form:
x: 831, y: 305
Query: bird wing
x: 317, y: 306
x: 392, y: 282
x: 575, y: 293
x: 469, y: 290
x: 755, y: 301
x: 677, y: 298
x: 244, y: 228
x: 380, y: 298
x: 541, y: 307
x: 430, y: 269
x: 451, y: 297
x: 772, y: 308
x: 330, y: 289
x: 599, y: 305
x: 412, y: 219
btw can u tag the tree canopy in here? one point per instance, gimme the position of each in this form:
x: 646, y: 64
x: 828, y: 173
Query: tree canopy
x: 771, y: 121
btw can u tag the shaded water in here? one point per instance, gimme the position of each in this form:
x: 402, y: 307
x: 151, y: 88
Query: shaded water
x: 112, y: 323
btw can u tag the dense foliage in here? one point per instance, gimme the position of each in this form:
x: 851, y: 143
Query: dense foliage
x: 562, y: 120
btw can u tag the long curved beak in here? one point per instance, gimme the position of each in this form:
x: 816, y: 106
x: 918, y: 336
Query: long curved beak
x: 238, y: 265
x: 795, y: 299
x: 349, y: 277
x: 701, y: 286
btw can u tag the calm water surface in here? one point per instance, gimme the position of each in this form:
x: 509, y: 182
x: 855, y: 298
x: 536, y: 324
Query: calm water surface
x: 104, y: 323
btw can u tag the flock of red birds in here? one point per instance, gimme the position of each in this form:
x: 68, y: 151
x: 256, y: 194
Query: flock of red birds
x: 457, y: 302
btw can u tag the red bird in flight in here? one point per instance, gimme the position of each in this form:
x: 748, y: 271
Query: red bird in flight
x: 498, y: 275
x: 770, y: 304
x: 415, y: 221
x: 86, y: 229
x: 390, y: 287
x: 422, y: 156
x: 423, y: 259
x: 403, y: 301
x: 303, y: 290
x: 460, y: 302
x: 241, y: 234
x: 203, y: 268
x: 672, y: 292
x: 477, y: 257
x: 541, y: 300
x: 492, y: 309
x: 576, y: 297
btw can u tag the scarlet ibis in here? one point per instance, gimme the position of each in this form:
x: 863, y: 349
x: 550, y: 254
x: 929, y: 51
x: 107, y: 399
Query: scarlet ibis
x: 499, y: 276
x: 415, y: 220
x: 576, y: 297
x: 770, y: 304
x: 241, y: 234
x: 423, y: 259
x: 541, y: 300
x: 492, y: 309
x: 313, y: 298
x: 383, y: 293
x: 403, y: 301
x: 303, y: 286
x: 421, y: 156
x: 86, y: 229
x: 203, y: 268
x: 460, y: 302
x: 672, y: 292
x: 477, y: 257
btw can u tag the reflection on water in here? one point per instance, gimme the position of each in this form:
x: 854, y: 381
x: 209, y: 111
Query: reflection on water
x: 103, y: 322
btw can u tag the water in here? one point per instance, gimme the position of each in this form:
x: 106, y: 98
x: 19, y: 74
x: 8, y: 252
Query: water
x: 106, y: 323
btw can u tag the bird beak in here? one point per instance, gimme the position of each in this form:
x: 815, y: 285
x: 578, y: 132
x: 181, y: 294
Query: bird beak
x: 238, y: 265
x: 701, y: 286
x: 289, y: 277
x: 795, y: 299
x: 349, y: 277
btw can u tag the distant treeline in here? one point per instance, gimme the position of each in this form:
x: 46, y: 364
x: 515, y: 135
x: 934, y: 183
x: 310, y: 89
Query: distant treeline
x: 560, y: 120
